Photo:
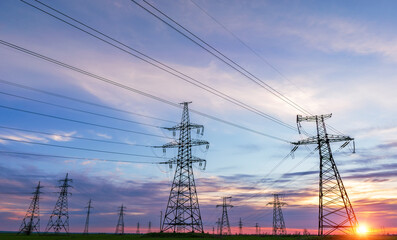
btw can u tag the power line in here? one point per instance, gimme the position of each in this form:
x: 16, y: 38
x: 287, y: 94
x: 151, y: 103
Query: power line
x: 13, y: 46
x: 76, y: 109
x: 222, y: 57
x: 80, y: 100
x: 231, y: 63
x: 76, y: 158
x: 78, y: 148
x: 81, y: 122
x: 74, y: 137
x: 161, y: 65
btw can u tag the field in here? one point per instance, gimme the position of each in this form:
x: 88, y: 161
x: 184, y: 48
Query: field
x: 156, y: 236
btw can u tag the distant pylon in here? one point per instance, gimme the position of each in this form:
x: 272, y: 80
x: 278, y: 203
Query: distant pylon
x: 256, y: 229
x: 240, y: 226
x: 335, y: 210
x: 150, y: 227
x: 31, y: 221
x: 87, y: 220
x: 278, y: 218
x: 120, y: 222
x: 218, y: 225
x: 225, y: 218
x: 59, y: 219
x: 183, y: 211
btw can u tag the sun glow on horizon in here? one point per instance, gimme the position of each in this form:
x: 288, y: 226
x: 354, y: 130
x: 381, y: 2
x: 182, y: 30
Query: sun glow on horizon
x: 362, y: 230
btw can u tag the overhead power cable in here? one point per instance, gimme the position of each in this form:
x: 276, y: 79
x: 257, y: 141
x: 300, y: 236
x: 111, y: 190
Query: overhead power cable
x: 75, y: 158
x: 24, y: 50
x: 77, y: 110
x: 81, y: 122
x: 73, y: 137
x: 77, y: 148
x: 222, y: 57
x: 158, y: 64
x: 80, y: 100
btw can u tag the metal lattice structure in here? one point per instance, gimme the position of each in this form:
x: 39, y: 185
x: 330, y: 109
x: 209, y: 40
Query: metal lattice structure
x: 278, y: 218
x: 120, y: 222
x: 183, y: 211
x: 240, y: 227
x: 335, y: 210
x: 31, y: 221
x: 224, y: 227
x: 87, y: 220
x: 59, y: 219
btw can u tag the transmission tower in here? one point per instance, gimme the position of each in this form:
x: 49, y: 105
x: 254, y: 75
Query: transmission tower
x: 183, y: 212
x: 225, y: 218
x: 218, y: 224
x: 257, y: 229
x: 335, y: 210
x: 31, y: 221
x: 240, y: 227
x: 120, y: 222
x: 278, y: 219
x: 87, y: 220
x: 59, y: 219
x: 150, y: 227
x: 137, y: 228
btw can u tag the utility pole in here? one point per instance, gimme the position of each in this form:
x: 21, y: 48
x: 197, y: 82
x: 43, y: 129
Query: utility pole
x: 278, y: 218
x: 137, y: 229
x: 183, y: 211
x: 335, y: 210
x: 120, y: 222
x: 225, y: 219
x: 31, y: 221
x: 150, y: 227
x: 59, y: 219
x: 87, y: 220
x: 240, y: 227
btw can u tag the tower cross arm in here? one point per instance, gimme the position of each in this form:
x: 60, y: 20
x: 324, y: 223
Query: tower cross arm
x: 180, y: 126
x: 330, y: 138
x: 176, y: 144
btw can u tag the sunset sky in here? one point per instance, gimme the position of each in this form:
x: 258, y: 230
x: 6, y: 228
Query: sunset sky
x: 334, y: 57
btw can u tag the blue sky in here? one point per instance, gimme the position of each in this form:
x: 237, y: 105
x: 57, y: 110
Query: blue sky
x: 334, y: 57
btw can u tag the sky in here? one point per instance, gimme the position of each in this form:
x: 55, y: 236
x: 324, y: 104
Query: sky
x: 334, y: 57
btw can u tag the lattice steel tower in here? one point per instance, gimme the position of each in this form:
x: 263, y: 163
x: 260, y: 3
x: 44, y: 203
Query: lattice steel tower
x: 224, y: 223
x: 278, y: 218
x: 31, y: 221
x: 183, y: 211
x: 87, y: 220
x: 59, y: 219
x: 335, y: 210
x: 120, y: 222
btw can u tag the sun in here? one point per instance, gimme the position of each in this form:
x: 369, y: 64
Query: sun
x: 362, y: 230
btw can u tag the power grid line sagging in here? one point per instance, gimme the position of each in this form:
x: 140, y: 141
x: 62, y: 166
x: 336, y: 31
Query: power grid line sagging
x: 183, y: 211
x: 335, y: 210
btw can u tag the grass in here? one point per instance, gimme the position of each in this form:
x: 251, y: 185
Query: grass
x: 170, y: 236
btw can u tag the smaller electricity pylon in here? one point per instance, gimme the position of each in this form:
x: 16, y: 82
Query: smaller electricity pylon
x: 59, y: 219
x: 120, y: 222
x: 87, y: 220
x: 150, y: 227
x: 137, y: 229
x: 256, y: 229
x: 278, y: 218
x: 240, y: 227
x: 218, y: 224
x: 31, y: 221
x: 224, y: 223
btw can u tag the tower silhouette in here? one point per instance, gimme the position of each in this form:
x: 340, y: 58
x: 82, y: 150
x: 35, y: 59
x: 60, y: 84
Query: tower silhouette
x: 335, y: 210
x: 278, y: 218
x: 120, y: 222
x: 240, y: 226
x: 218, y: 224
x: 31, y: 221
x: 137, y: 228
x: 150, y: 227
x: 256, y: 229
x: 225, y: 218
x: 59, y: 219
x: 87, y: 220
x: 183, y: 211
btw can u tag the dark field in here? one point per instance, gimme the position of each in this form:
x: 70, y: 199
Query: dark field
x: 154, y: 236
